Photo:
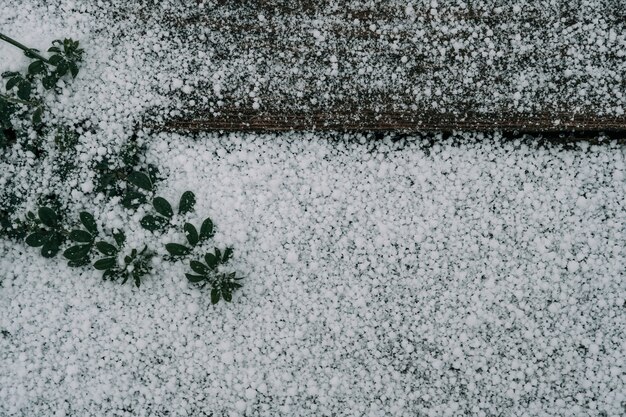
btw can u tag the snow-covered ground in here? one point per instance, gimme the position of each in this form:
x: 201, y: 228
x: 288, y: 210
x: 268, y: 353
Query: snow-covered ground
x: 471, y: 275
x: 479, y: 278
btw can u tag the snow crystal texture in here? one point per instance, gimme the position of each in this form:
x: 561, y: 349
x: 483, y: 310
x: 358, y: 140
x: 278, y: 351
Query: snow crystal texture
x: 392, y: 278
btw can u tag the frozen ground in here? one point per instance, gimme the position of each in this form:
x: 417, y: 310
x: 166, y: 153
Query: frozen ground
x: 427, y: 276
x: 382, y: 279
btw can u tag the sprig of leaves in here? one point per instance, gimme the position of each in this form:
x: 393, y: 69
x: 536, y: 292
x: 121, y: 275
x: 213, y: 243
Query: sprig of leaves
x: 135, y: 266
x: 49, y: 234
x: 165, y: 213
x: 222, y: 283
x: 78, y: 255
x: 193, y: 238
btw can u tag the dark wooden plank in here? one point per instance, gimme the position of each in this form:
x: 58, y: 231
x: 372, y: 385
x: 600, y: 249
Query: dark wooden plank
x: 480, y: 65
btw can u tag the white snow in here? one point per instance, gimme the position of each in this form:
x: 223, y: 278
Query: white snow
x: 473, y: 275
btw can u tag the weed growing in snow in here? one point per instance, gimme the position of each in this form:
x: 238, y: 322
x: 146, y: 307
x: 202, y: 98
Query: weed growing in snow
x: 21, y: 117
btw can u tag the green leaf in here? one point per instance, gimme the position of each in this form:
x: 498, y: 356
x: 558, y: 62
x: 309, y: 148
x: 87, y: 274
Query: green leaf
x: 195, y: 278
x: 228, y: 297
x: 47, y: 216
x: 8, y: 74
x: 36, y: 239
x: 89, y: 222
x: 79, y: 262
x: 206, y: 230
x: 235, y: 285
x: 53, y: 49
x: 153, y: 223
x: 106, y: 248
x: 104, y: 263
x: 77, y: 252
x: 119, y: 237
x: 37, y: 67
x: 37, y: 116
x: 49, y: 81
x: 228, y: 253
x: 187, y: 202
x: 215, y: 296
x: 133, y: 199
x: 73, y: 69
x: 49, y: 250
x: 55, y: 59
x: 211, y: 260
x: 23, y: 90
x: 81, y: 236
x: 191, y: 234
x: 176, y: 249
x: 12, y: 82
x: 163, y: 207
x: 140, y: 180
x: 199, y: 268
x: 62, y: 67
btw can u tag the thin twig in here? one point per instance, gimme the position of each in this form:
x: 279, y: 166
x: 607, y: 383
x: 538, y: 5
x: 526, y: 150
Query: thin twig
x: 18, y: 101
x: 23, y: 48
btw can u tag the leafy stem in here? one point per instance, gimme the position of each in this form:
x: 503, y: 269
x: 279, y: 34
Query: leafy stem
x: 27, y: 50
x: 18, y: 101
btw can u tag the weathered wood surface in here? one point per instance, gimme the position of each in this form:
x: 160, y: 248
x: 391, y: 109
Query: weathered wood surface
x: 478, y: 65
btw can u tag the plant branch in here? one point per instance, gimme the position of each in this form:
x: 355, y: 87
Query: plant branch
x: 23, y: 48
x: 18, y: 101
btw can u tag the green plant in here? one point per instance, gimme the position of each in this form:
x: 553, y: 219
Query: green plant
x: 78, y: 255
x: 164, y: 210
x: 49, y: 233
x: 222, y: 283
x: 136, y: 265
x: 193, y: 238
x: 22, y: 101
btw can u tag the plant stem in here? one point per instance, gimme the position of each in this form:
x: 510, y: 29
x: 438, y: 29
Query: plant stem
x: 18, y: 101
x: 22, y: 47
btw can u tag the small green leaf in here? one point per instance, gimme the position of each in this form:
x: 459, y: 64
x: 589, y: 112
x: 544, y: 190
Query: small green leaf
x: 12, y: 82
x: 79, y: 262
x: 195, y: 278
x: 133, y: 199
x: 106, y: 248
x: 73, y: 69
x: 119, y: 237
x: 228, y: 297
x: 235, y: 285
x: 47, y: 216
x: 218, y: 254
x: 187, y: 202
x: 211, y: 260
x: 176, y: 249
x: 62, y: 67
x: 199, y: 268
x: 37, y: 116
x: 36, y: 239
x: 55, y: 59
x: 8, y: 74
x: 89, y: 222
x: 23, y: 90
x: 49, y: 81
x: 191, y: 234
x: 140, y: 180
x: 206, y: 230
x: 104, y: 263
x: 81, y: 236
x: 163, y: 207
x: 215, y: 296
x: 53, y: 49
x: 228, y: 253
x: 37, y: 67
x: 50, y: 248
x: 153, y: 223
x: 77, y: 252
